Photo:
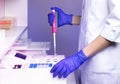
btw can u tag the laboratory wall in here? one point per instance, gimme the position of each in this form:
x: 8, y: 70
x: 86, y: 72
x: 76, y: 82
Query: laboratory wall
x: 40, y: 30
x: 1, y: 8
x: 17, y: 9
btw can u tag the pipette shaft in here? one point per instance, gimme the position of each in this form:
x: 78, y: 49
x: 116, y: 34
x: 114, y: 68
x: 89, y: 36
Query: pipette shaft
x: 54, y: 30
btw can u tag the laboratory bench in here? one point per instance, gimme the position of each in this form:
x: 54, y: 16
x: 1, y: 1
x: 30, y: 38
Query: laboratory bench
x: 28, y: 62
x: 25, y: 61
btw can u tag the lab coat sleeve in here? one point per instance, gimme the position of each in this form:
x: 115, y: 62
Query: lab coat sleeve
x: 111, y: 30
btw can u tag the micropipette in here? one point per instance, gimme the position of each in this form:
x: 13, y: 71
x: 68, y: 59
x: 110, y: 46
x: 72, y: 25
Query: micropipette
x: 54, y: 30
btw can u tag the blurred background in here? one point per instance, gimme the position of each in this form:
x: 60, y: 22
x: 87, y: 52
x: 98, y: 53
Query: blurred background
x: 40, y: 30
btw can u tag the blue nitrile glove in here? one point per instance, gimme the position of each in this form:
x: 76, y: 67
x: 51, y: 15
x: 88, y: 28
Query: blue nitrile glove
x: 68, y: 65
x: 62, y: 18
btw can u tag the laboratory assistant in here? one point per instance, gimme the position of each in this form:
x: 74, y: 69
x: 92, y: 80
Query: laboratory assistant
x: 97, y: 59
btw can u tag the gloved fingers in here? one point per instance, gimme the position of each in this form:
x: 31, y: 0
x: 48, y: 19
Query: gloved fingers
x: 58, y: 70
x: 53, y: 69
x: 68, y: 70
x: 61, y: 73
x: 66, y: 74
x: 50, y: 18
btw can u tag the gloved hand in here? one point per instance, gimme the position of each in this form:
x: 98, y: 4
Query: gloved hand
x: 68, y: 65
x: 62, y: 17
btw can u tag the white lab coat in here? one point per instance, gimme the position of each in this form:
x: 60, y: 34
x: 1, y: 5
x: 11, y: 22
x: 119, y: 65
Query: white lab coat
x: 101, y: 17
